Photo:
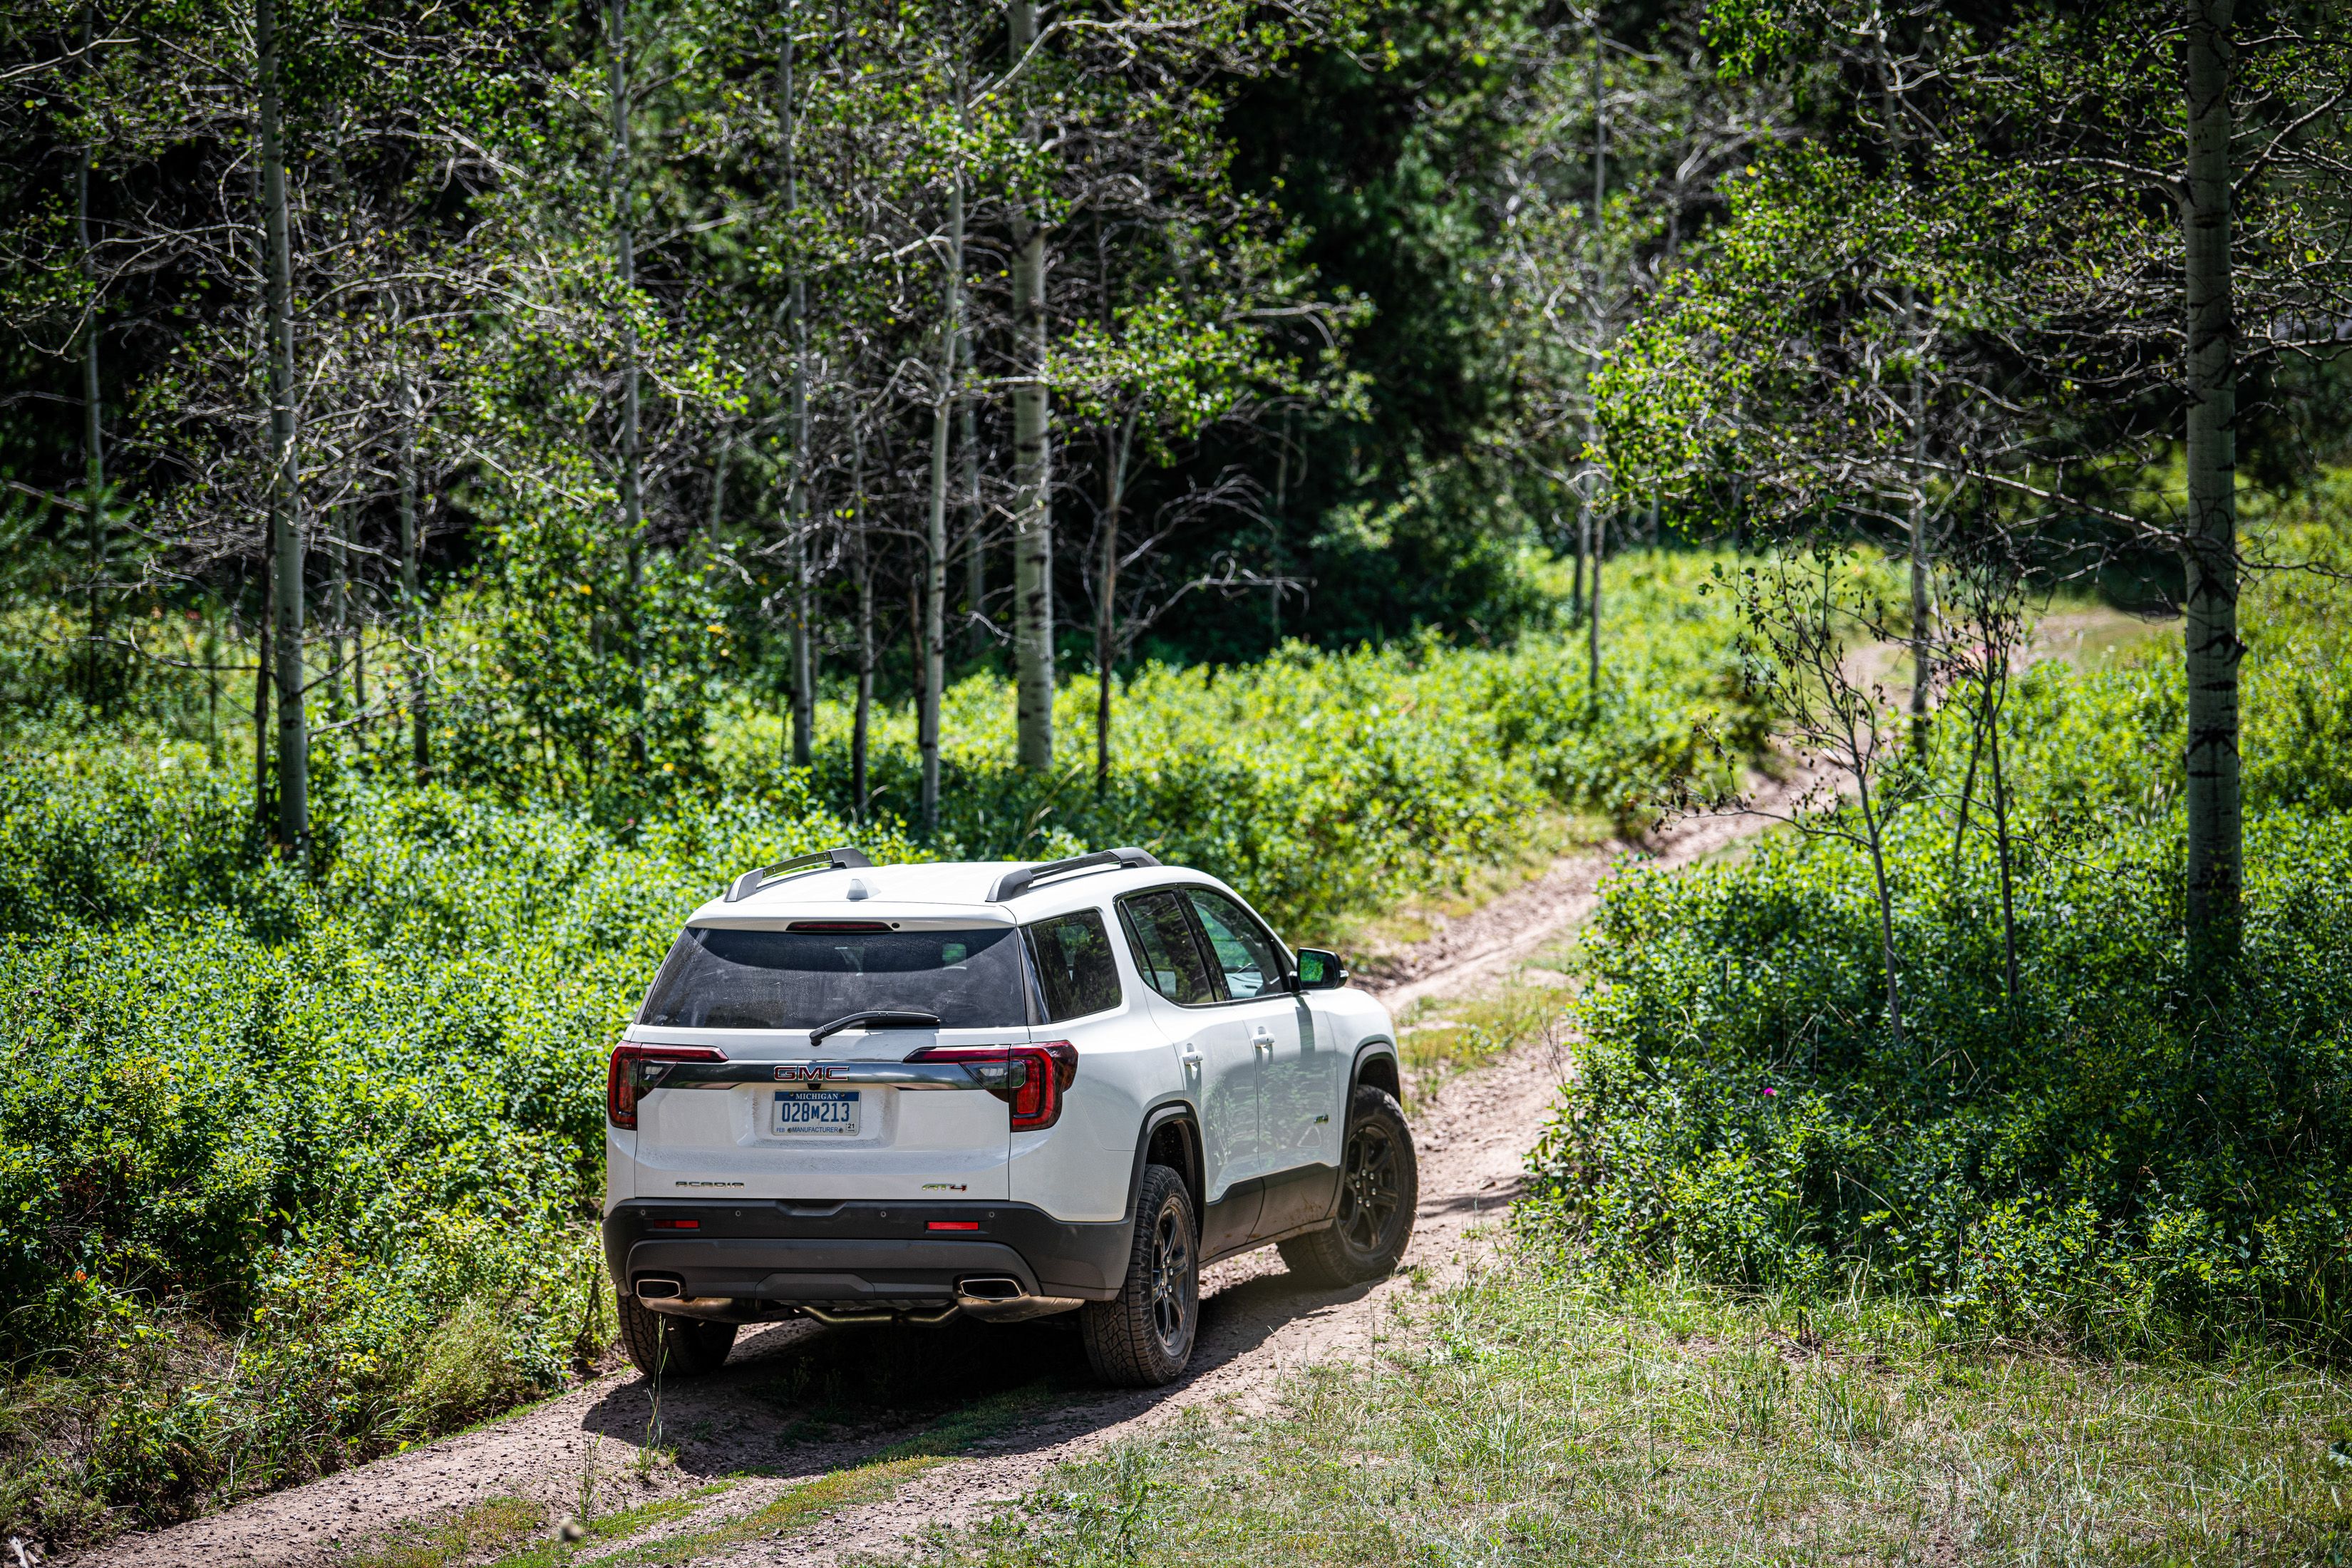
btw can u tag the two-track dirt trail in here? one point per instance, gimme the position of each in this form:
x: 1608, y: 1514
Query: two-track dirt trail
x: 799, y: 1400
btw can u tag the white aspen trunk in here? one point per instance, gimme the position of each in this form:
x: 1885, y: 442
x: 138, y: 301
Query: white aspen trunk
x: 624, y: 266
x: 862, y: 726
x: 285, y: 525
x: 796, y: 508
x: 975, y: 559
x: 412, y: 606
x: 1032, y: 537
x: 338, y: 567
x: 933, y: 630
x: 1923, y: 663
x: 2215, y: 867
x: 1106, y: 606
x: 1597, y: 522
x: 1592, y: 609
x: 93, y: 441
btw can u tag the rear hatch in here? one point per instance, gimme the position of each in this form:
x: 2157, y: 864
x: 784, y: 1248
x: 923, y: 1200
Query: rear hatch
x: 795, y: 1102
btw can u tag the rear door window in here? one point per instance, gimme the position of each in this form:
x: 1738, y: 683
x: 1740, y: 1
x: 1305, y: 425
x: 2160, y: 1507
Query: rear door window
x: 1159, y: 934
x: 1248, y: 961
x: 720, y: 979
x: 1075, y: 967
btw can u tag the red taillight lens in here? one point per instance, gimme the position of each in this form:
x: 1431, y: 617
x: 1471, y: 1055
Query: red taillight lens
x: 1036, y: 1101
x: 1053, y: 1067
x: 635, y: 1068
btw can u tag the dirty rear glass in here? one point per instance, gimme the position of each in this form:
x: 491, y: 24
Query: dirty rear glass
x: 716, y: 979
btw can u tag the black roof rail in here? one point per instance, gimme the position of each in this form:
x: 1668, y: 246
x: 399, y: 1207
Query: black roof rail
x: 842, y: 857
x: 1020, y: 879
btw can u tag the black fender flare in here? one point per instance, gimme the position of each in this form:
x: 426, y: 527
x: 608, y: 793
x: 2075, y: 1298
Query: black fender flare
x: 1388, y: 1072
x: 1178, y: 1113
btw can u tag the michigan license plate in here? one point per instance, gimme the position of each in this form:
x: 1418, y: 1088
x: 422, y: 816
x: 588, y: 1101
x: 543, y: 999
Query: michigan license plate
x: 800, y: 1112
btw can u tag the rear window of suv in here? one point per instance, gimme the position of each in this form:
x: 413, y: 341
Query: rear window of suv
x: 1075, y: 967
x: 722, y: 979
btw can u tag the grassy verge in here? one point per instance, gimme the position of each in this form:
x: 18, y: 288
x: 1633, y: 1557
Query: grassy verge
x: 1524, y: 1418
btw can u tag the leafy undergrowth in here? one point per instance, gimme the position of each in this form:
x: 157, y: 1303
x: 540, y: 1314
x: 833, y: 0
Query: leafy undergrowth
x: 2127, y: 1156
x: 294, y: 1170
x: 1329, y: 786
x: 1524, y: 1418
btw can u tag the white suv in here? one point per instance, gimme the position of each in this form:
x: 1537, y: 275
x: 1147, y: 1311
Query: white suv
x: 1002, y: 1090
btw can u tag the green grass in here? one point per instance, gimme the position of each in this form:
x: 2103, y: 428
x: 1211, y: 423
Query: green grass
x: 1522, y: 1418
x: 491, y: 1525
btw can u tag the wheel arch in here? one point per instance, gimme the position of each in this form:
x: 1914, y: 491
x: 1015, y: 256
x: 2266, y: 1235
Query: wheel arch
x: 1170, y: 1136
x: 1377, y: 1065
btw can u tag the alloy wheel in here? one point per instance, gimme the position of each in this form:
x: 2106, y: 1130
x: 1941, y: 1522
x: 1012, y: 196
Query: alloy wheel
x: 1171, y: 1264
x: 1368, y: 1187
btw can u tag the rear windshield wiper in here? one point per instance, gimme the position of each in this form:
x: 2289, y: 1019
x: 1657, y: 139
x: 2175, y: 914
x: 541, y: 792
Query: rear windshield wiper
x: 877, y: 1018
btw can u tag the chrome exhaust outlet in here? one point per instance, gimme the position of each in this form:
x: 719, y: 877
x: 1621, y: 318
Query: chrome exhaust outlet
x: 659, y: 1287
x: 1000, y: 1299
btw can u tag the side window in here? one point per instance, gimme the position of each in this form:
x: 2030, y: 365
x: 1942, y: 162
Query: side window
x: 1075, y: 966
x: 1162, y: 940
x: 1251, y: 964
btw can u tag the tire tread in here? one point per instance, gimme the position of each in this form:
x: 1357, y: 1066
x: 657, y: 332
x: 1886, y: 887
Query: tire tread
x: 1120, y: 1345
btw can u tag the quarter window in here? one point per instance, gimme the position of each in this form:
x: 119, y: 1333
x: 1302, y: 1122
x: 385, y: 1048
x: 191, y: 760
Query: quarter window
x: 1075, y: 967
x: 1160, y: 936
x: 1246, y: 957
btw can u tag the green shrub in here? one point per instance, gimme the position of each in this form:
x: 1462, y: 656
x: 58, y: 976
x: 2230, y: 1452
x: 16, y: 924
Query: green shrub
x: 293, y: 1170
x: 295, y: 1166
x: 2115, y: 1160
x: 1325, y: 785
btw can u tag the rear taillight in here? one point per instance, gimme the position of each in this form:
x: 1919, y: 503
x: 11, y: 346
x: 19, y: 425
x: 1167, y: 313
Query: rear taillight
x: 1053, y: 1067
x: 635, y: 1068
x: 1046, y: 1071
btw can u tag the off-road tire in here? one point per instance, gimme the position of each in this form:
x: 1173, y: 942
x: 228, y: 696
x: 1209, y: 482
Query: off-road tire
x: 1380, y: 1188
x: 662, y: 1346
x: 1144, y: 1338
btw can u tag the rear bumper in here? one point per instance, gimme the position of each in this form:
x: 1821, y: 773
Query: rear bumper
x: 859, y: 1256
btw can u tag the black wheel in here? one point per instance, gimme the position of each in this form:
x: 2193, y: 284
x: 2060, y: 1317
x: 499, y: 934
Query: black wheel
x: 662, y: 1346
x: 1142, y: 1339
x: 1379, y: 1187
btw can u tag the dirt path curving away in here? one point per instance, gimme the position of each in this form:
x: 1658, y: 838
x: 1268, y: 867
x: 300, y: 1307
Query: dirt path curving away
x: 799, y: 1400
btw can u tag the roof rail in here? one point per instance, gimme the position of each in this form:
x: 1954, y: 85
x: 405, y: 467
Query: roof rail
x: 1015, y: 882
x: 841, y: 858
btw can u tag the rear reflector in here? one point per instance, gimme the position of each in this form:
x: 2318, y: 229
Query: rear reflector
x: 673, y: 1224
x: 953, y: 1225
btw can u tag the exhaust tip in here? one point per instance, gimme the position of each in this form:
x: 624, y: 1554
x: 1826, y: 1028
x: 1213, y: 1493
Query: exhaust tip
x: 655, y: 1288
x: 991, y: 1287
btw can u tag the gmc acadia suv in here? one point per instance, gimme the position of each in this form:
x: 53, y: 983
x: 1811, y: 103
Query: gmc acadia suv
x: 859, y: 1092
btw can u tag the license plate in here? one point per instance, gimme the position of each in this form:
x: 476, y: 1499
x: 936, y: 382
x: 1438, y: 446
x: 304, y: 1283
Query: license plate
x: 800, y: 1112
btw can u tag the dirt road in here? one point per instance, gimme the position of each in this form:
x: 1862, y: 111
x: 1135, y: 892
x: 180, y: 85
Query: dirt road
x: 800, y: 1401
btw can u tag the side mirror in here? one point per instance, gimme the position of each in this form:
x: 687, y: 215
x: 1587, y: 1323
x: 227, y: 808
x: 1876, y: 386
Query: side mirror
x: 1321, y: 971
